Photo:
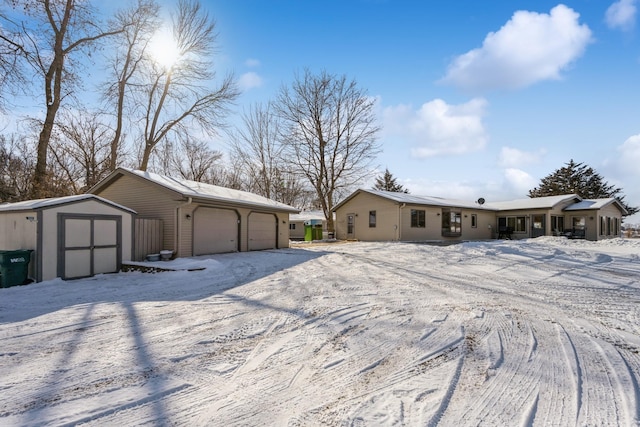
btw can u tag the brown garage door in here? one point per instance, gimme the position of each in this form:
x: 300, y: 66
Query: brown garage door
x: 262, y: 231
x: 215, y: 231
x: 88, y: 245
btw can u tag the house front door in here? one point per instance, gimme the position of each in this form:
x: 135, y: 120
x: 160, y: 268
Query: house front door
x: 351, y: 226
x: 537, y: 225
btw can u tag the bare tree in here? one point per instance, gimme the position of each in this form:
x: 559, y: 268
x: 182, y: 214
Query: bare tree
x: 330, y: 133
x: 260, y: 155
x: 53, y: 39
x: 189, y: 159
x: 175, y: 96
x: 11, y: 76
x: 81, y: 149
x: 16, y: 163
x: 131, y: 47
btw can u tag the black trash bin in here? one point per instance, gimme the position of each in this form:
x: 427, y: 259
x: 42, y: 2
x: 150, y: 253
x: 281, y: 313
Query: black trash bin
x: 14, y: 267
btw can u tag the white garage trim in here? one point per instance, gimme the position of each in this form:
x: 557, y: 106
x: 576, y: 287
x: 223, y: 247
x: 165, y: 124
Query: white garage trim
x: 215, y: 230
x: 263, y: 231
x: 88, y: 244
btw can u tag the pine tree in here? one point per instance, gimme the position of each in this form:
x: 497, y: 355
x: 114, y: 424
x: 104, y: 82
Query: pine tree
x: 387, y: 182
x: 580, y: 179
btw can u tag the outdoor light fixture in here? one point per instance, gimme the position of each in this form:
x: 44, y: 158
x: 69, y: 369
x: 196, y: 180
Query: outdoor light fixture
x: 188, y: 216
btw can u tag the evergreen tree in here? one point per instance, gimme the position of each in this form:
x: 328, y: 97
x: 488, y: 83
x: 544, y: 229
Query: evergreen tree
x: 387, y: 182
x: 580, y: 179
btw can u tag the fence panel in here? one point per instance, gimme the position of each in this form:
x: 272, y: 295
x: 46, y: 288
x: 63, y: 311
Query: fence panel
x: 147, y: 237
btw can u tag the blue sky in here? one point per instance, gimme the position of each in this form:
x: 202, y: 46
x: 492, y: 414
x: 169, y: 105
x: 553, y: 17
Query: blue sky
x: 476, y: 99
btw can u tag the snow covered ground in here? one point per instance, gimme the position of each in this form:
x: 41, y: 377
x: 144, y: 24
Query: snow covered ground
x: 519, y: 333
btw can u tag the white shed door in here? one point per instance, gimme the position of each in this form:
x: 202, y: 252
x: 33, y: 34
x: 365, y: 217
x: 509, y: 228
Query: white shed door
x: 215, y: 231
x: 88, y: 245
x: 262, y: 231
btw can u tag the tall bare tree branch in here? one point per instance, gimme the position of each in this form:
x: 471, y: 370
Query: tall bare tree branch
x: 330, y: 133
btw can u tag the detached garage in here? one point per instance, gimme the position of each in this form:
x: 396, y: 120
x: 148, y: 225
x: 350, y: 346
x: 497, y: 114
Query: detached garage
x: 199, y: 218
x: 72, y: 237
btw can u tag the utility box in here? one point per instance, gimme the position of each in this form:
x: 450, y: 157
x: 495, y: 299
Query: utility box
x: 312, y: 230
x: 14, y: 267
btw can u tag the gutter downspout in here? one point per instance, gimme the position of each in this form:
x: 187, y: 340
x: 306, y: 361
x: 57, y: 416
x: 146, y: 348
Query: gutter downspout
x: 179, y: 226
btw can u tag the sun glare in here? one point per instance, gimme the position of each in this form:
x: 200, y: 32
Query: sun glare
x: 164, y: 50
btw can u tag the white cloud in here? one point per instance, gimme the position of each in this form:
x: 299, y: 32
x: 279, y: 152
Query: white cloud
x: 621, y: 15
x: 250, y: 80
x: 519, y: 181
x: 629, y: 155
x: 530, y: 47
x: 512, y: 157
x: 438, y: 128
x: 251, y: 62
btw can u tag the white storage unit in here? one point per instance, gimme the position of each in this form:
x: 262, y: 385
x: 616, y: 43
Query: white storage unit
x: 72, y: 237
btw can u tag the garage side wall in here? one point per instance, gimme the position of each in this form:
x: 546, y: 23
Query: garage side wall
x: 149, y: 201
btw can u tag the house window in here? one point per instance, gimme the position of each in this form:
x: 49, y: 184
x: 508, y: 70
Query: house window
x: 474, y: 221
x: 451, y: 223
x: 418, y: 218
x: 557, y: 224
x: 292, y: 226
x: 512, y: 224
x: 372, y: 219
x: 603, y: 225
x: 517, y: 223
x: 609, y: 226
x: 616, y: 227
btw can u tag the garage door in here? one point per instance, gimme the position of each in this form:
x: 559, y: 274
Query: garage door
x: 89, y: 245
x: 215, y: 231
x: 262, y: 231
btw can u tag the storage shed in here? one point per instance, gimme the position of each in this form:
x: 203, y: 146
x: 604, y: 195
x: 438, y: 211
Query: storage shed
x: 71, y: 237
x: 199, y: 218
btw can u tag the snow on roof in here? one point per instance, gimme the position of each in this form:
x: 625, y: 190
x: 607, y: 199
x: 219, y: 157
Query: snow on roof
x: 534, y: 202
x: 55, y: 201
x: 307, y: 215
x: 425, y: 200
x: 518, y: 204
x: 591, y: 204
x: 212, y: 192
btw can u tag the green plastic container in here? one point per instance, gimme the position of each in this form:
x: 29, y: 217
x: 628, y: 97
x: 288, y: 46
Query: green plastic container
x: 14, y: 267
x: 312, y: 230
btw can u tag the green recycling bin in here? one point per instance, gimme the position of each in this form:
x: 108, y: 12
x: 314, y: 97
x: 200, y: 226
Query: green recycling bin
x: 313, y: 230
x: 14, y: 267
x: 308, y: 231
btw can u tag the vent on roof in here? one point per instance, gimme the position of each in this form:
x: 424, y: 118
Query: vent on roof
x: 481, y: 201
